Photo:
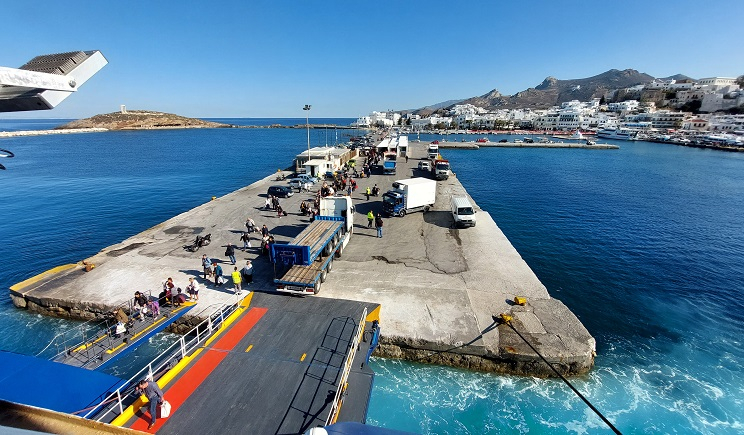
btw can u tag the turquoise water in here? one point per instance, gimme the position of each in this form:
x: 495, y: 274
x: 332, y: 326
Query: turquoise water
x: 644, y: 244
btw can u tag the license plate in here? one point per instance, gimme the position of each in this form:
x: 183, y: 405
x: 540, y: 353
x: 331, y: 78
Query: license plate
x: 295, y: 288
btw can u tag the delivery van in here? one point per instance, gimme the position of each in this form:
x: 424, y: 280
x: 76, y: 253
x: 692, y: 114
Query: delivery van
x: 463, y: 212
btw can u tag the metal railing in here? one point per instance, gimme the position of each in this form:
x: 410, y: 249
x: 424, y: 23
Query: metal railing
x: 114, y: 402
x: 82, y: 334
x: 348, y: 363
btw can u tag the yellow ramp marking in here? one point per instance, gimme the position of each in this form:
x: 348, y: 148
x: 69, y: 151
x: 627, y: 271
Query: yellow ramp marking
x: 129, y: 413
x: 302, y: 358
x: 42, y: 275
x: 374, y: 315
x: 249, y: 348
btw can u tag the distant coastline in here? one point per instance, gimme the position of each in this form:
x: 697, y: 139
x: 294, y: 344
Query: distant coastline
x: 152, y: 120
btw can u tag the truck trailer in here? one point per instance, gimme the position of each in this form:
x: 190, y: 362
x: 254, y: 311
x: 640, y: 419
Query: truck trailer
x: 433, y: 150
x: 408, y: 196
x: 302, y: 265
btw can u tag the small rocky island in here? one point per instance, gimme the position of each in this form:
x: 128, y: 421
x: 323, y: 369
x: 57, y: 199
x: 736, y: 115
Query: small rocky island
x: 141, y: 120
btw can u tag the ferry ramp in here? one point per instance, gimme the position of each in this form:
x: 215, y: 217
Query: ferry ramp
x: 275, y: 368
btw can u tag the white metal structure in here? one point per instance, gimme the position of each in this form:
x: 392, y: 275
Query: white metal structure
x: 45, y: 81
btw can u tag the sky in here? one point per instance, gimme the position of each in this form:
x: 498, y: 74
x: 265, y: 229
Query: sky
x: 263, y: 59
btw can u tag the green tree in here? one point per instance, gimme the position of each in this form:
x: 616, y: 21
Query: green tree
x: 602, y: 101
x: 740, y: 81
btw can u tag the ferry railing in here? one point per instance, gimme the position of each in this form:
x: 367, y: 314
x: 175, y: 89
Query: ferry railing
x: 78, y: 336
x: 348, y: 363
x: 114, y: 402
x: 105, y: 326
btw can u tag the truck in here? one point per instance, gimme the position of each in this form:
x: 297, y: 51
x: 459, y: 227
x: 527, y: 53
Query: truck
x: 302, y: 265
x: 388, y: 167
x: 389, y: 162
x: 440, y: 169
x: 433, y: 150
x: 409, y: 195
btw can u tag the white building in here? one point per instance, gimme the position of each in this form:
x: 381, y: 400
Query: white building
x: 623, y: 106
x: 716, y: 81
x: 714, y: 102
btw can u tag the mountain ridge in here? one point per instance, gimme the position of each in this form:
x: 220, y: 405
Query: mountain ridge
x: 552, y: 91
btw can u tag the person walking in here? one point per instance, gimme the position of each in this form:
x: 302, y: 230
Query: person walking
x: 246, y: 239
x: 230, y: 252
x: 154, y: 395
x: 368, y: 192
x: 378, y: 225
x: 236, y: 280
x: 264, y: 231
x: 370, y: 218
x: 217, y: 274
x: 207, y: 265
x: 250, y: 225
x: 247, y: 272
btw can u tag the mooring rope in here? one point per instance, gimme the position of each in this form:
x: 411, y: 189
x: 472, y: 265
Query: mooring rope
x: 581, y: 396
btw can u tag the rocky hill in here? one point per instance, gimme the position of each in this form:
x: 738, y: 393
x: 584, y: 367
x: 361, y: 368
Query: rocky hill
x: 553, y: 92
x: 141, y: 119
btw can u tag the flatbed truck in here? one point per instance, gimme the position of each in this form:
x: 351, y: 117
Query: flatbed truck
x: 302, y: 265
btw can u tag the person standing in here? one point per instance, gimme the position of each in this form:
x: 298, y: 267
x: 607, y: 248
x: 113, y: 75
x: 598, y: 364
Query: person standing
x: 236, y: 280
x: 378, y: 225
x: 217, y: 274
x: 207, y: 265
x: 246, y: 239
x: 264, y: 231
x: 154, y: 395
x: 193, y: 289
x: 230, y: 253
x: 370, y: 218
x: 368, y: 192
x: 247, y: 272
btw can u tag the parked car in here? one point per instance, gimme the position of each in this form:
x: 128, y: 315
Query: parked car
x: 307, y: 178
x: 299, y: 182
x: 424, y: 165
x: 280, y: 191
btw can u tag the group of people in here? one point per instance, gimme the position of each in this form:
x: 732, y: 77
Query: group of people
x: 212, y: 269
x: 377, y: 220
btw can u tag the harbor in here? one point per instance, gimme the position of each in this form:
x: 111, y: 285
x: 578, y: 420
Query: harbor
x: 441, y: 289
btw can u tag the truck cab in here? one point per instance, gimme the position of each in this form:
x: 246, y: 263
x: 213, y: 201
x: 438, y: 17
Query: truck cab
x: 440, y: 169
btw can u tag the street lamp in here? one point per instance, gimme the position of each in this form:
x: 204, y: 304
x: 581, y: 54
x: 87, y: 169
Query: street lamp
x: 307, y: 126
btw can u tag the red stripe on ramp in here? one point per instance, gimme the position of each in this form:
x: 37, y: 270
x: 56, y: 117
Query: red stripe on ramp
x: 178, y: 392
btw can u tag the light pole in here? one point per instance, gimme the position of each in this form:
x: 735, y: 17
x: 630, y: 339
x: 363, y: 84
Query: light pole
x: 307, y: 126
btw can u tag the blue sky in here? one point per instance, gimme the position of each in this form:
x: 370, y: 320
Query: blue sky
x: 347, y: 58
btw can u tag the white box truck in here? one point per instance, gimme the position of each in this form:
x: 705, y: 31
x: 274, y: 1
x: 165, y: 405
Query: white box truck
x: 409, y: 195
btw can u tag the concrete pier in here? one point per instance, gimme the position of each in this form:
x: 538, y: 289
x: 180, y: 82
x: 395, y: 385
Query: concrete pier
x: 439, y: 287
x: 478, y: 145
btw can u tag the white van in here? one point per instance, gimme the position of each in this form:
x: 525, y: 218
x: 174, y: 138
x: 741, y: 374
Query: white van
x: 463, y: 212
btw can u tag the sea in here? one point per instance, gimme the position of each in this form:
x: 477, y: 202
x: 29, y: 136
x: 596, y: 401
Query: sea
x: 645, y: 244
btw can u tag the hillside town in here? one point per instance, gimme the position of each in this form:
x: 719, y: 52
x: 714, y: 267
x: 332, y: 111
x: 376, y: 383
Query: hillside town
x: 710, y: 109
